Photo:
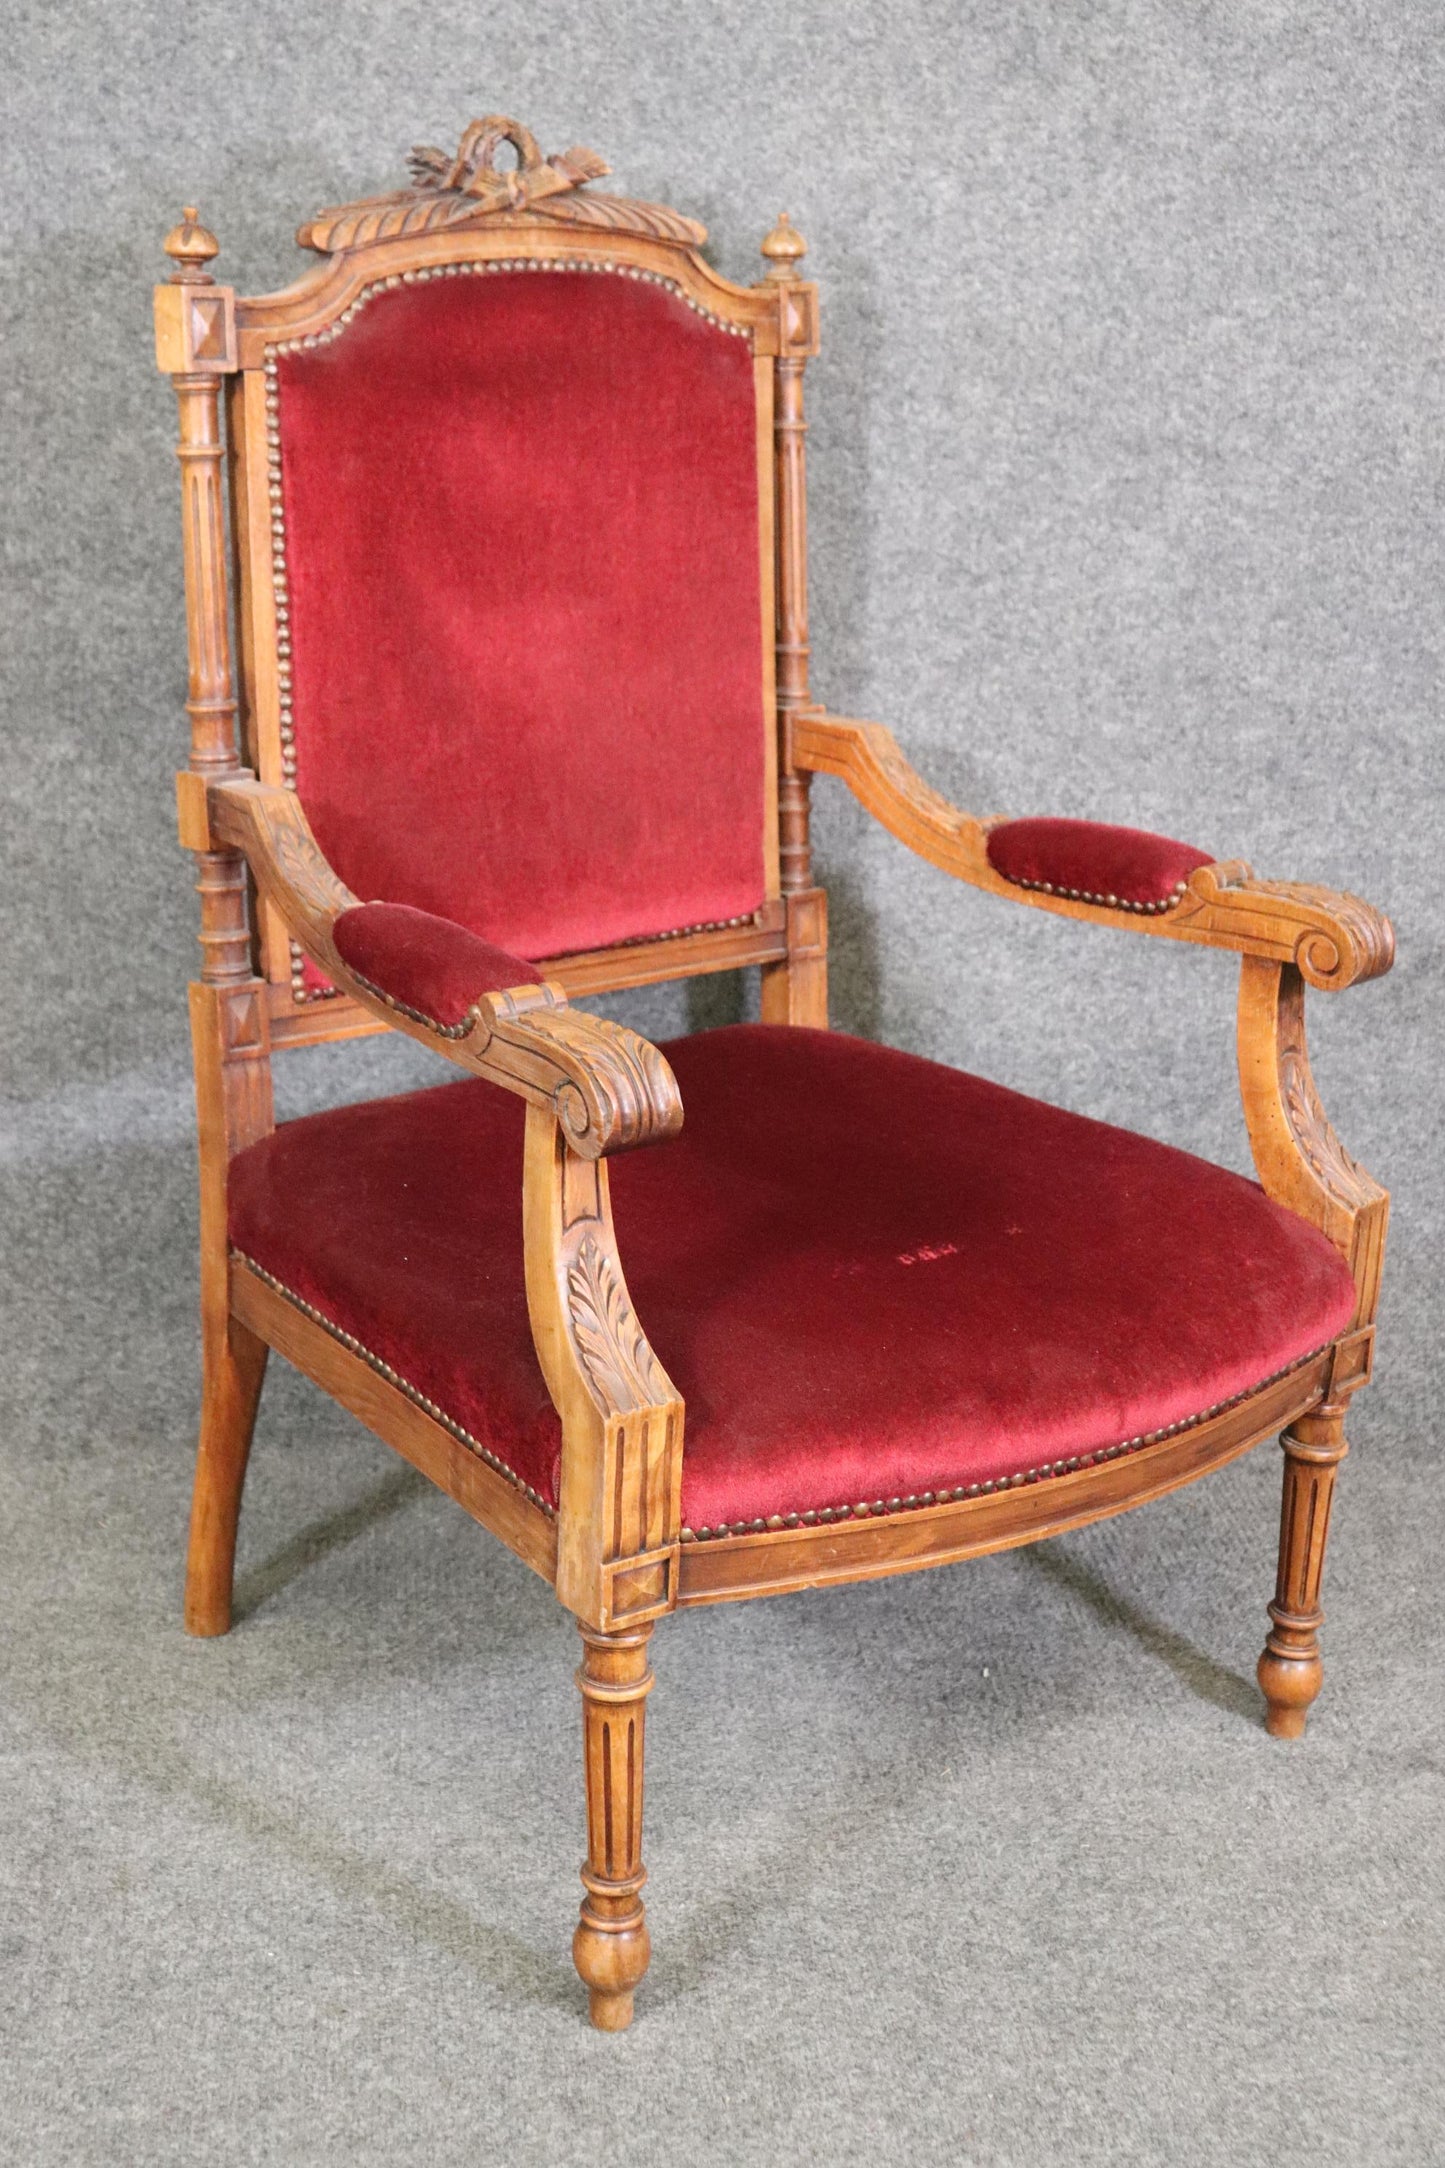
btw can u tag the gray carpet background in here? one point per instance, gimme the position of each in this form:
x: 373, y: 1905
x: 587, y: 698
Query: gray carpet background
x: 1125, y: 495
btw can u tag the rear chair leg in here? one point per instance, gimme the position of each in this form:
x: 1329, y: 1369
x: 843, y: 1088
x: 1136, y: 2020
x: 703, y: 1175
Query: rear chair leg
x: 1290, y: 1670
x: 233, y: 1366
x: 611, y: 1946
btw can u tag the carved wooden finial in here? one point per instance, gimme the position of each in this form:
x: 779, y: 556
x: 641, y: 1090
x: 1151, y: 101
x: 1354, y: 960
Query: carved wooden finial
x: 784, y: 248
x: 191, y: 247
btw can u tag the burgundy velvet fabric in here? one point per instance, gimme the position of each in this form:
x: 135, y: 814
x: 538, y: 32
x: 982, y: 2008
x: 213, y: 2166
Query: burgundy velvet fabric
x: 426, y: 963
x: 869, y: 1275
x: 1088, y: 858
x: 314, y: 982
x: 521, y: 533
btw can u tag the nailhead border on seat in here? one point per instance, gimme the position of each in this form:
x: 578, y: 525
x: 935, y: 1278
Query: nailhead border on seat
x: 393, y: 1377
x: 819, y: 1516
x: 822, y: 1515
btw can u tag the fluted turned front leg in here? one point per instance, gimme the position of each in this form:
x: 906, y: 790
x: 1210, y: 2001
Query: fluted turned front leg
x: 611, y: 1947
x: 1290, y: 1670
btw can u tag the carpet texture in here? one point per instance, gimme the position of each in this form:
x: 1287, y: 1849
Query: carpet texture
x: 1125, y: 506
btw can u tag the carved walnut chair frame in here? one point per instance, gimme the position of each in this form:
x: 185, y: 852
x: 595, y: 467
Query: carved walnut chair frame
x: 615, y: 1548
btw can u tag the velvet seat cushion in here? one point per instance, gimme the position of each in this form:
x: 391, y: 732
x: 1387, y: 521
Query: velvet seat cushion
x: 1095, y: 863
x: 871, y: 1277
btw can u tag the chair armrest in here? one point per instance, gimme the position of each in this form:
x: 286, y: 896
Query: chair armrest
x: 487, y: 1011
x: 428, y: 968
x: 1333, y: 939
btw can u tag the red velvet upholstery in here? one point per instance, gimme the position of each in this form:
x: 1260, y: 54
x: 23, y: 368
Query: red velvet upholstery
x: 1093, y: 862
x: 429, y: 965
x: 521, y: 547
x: 871, y: 1277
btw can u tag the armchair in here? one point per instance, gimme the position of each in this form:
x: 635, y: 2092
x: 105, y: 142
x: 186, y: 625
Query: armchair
x: 520, y: 710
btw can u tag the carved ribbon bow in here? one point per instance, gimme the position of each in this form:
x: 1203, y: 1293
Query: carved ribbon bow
x: 473, y: 172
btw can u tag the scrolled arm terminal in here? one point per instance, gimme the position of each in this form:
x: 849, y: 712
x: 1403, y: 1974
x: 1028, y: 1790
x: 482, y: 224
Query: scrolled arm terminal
x: 1333, y: 939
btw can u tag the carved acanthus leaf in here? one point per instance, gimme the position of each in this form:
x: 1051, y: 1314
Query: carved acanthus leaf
x: 1321, y: 1149
x: 300, y: 862
x: 610, y: 1342
x: 269, y: 824
x: 456, y: 191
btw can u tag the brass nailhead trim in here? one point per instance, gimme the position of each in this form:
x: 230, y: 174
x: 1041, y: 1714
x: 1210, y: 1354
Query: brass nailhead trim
x: 420, y: 277
x: 673, y: 933
x: 823, y: 1515
x: 300, y: 991
x: 384, y: 1370
x: 419, y: 1016
x: 460, y: 1030
x: 1175, y: 896
x: 703, y: 925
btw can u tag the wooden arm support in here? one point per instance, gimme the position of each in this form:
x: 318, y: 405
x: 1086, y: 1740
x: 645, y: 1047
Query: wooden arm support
x: 609, y: 1089
x: 1332, y: 939
x: 592, y: 1088
x: 619, y: 1511
x: 1300, y: 1161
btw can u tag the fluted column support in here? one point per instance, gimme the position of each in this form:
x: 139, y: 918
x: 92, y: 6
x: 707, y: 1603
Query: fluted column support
x: 1291, y: 1671
x: 611, y: 1946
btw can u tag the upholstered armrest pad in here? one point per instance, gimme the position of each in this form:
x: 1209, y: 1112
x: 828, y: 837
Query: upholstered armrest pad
x: 1092, y: 863
x: 429, y: 967
x: 1119, y: 876
x: 610, y: 1090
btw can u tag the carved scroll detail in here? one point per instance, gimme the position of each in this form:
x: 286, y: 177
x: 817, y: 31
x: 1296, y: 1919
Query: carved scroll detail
x: 610, y: 1341
x: 454, y: 191
x: 628, y: 1095
x: 1355, y: 941
x: 611, y: 1090
x: 1332, y: 938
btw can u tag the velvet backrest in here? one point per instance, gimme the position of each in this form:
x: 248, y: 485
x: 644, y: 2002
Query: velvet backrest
x: 523, y: 612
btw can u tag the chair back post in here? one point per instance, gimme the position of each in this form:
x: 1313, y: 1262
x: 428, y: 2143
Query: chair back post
x: 794, y: 992
x: 196, y: 347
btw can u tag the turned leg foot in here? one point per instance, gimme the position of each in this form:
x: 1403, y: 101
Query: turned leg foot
x: 1290, y: 1670
x: 234, y: 1367
x: 611, y: 1947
